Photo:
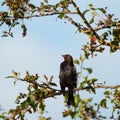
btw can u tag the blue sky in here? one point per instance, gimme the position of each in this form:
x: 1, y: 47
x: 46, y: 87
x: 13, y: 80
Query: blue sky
x: 40, y: 52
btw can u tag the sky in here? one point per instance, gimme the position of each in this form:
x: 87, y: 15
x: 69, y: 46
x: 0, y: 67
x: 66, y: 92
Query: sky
x: 40, y: 52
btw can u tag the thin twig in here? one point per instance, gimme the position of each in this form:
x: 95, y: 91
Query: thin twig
x: 37, y: 84
x: 73, y: 22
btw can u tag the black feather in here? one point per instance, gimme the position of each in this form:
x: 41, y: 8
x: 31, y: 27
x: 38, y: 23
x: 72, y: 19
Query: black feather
x: 68, y: 78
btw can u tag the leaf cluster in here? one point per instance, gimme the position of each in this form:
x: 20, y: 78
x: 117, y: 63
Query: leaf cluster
x: 34, y: 100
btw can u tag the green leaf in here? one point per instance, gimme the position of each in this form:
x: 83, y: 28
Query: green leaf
x: 115, y: 32
x: 61, y: 15
x: 67, y: 113
x: 4, y: 35
x: 3, y: 3
x: 66, y: 97
x: 15, y: 82
x: 53, y: 84
x: 79, y: 73
x: 101, y: 49
x: 76, y: 62
x: 25, y: 104
x: 82, y: 84
x: 32, y: 6
x: 77, y: 100
x: 88, y: 100
x: 73, y: 115
x: 93, y: 80
x: 9, y: 77
x: 81, y: 58
x: 102, y: 10
x: 107, y: 92
x: 24, y: 29
x: 89, y: 70
x: 21, y: 14
x: 93, y: 90
x: 103, y: 103
x: 8, y: 22
x: 85, y: 11
x: 90, y: 5
x: 112, y: 48
x: 91, y: 20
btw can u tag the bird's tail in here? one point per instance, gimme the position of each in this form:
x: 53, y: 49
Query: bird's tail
x: 71, y: 98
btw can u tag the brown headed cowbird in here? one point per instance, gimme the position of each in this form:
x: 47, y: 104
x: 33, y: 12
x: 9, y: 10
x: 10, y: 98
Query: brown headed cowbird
x: 68, y: 77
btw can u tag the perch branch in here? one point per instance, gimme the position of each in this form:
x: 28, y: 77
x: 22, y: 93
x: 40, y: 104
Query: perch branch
x: 59, y: 92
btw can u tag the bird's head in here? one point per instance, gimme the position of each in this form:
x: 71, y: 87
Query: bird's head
x: 68, y: 58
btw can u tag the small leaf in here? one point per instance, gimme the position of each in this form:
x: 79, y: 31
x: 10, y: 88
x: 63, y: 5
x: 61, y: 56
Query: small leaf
x: 91, y: 20
x: 3, y: 3
x: 100, y: 41
x: 82, y: 84
x: 15, y: 74
x: 88, y: 100
x: 32, y: 6
x: 93, y: 90
x: 102, y: 10
x: 25, y: 104
x: 53, y: 84
x: 101, y: 49
x: 51, y: 78
x: 9, y: 77
x: 93, y: 80
x: 89, y: 70
x: 21, y: 14
x: 76, y: 62
x: 4, y: 35
x: 77, y: 100
x: 67, y: 113
x: 107, y: 92
x: 81, y: 58
x: 61, y: 15
x: 103, y: 103
x: 15, y: 82
x: 90, y: 5
x: 24, y: 30
x: 8, y: 22
x: 85, y: 11
x: 115, y: 32
x: 46, y: 78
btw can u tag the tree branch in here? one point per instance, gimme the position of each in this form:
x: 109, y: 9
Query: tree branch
x: 103, y: 42
x: 84, y: 19
x: 59, y: 92
x: 41, y: 14
x: 100, y: 86
x: 79, y: 89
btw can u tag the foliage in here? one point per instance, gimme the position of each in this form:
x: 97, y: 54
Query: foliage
x: 20, y: 10
x: 38, y: 91
x: 34, y: 100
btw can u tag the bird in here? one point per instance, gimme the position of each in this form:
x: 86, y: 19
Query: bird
x: 68, y: 77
